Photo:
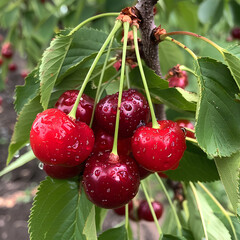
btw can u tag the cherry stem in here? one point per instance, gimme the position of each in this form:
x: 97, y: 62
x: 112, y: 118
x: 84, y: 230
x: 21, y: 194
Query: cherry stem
x: 124, y: 52
x: 163, y: 36
x: 154, y: 120
x: 225, y: 213
x: 182, y: 46
x: 190, y: 130
x: 152, y: 210
x: 117, y: 25
x: 199, y: 209
x: 126, y: 217
x: 127, y: 77
x: 112, y: 14
x: 184, y: 68
x: 100, y: 81
x: 193, y: 140
x: 179, y: 226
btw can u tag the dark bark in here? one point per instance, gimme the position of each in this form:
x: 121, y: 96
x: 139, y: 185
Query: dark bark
x: 150, y: 47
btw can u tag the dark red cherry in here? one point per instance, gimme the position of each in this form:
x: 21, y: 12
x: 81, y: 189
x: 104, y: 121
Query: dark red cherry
x: 143, y: 172
x: 7, y: 50
x: 162, y: 175
x: 84, y: 109
x: 134, y: 111
x: 186, y: 124
x: 121, y: 211
x: 56, y: 139
x: 110, y: 182
x: 104, y: 142
x: 236, y: 33
x: 62, y: 172
x: 1, y: 61
x: 179, y: 81
x: 144, y: 212
x: 24, y: 73
x: 159, y: 149
x: 12, y: 67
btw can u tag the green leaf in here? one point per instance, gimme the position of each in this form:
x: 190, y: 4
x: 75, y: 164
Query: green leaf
x: 61, y: 211
x: 52, y: 62
x: 169, y: 56
x: 119, y: 233
x: 173, y: 97
x: 100, y: 214
x: 23, y: 126
x: 28, y: 91
x: 210, y: 11
x: 232, y: 58
x: 235, y: 8
x: 215, y: 228
x: 228, y: 169
x: 25, y: 158
x: 171, y: 237
x: 217, y: 120
x: 194, y: 166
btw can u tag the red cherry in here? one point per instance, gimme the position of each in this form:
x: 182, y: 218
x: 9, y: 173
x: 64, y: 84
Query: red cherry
x: 162, y: 175
x: 186, y: 124
x: 236, y: 32
x: 104, y: 142
x: 84, y: 109
x: 12, y: 67
x: 159, y: 149
x: 56, y: 139
x: 1, y: 61
x: 24, y: 73
x: 7, y: 50
x: 62, y: 172
x: 110, y: 182
x: 134, y: 111
x: 143, y: 172
x: 144, y: 211
x: 1, y: 100
x: 181, y: 81
x: 121, y: 211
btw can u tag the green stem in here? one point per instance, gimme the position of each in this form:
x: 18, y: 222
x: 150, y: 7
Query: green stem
x: 91, y: 19
x: 164, y: 36
x: 182, y: 46
x: 199, y: 209
x: 100, y: 81
x: 152, y: 210
x: 184, y: 68
x: 127, y: 77
x: 154, y: 120
x: 124, y: 52
x: 225, y: 213
x: 179, y: 226
x: 126, y: 217
x: 193, y: 140
x: 117, y: 25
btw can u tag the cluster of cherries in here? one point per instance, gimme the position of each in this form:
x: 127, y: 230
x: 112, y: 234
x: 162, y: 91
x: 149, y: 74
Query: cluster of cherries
x: 7, y: 53
x: 69, y: 147
x: 142, y: 211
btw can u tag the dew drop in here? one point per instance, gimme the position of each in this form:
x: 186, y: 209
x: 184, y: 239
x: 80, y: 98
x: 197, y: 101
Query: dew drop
x: 40, y: 165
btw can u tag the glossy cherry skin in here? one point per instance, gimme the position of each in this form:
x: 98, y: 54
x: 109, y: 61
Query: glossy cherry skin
x: 56, y: 139
x: 121, y: 211
x: 159, y: 149
x: 144, y: 212
x: 134, y: 111
x: 84, y: 109
x: 62, y: 172
x: 109, y: 183
x: 176, y: 81
x: 12, y: 67
x: 7, y: 50
x: 104, y: 142
x: 236, y: 33
x: 186, y: 124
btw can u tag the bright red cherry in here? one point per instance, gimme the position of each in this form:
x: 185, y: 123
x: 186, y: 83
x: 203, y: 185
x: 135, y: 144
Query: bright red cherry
x: 179, y: 81
x: 56, y: 139
x: 62, y: 172
x: 236, y: 33
x: 110, y: 182
x: 104, y: 142
x: 144, y: 212
x: 134, y: 111
x: 159, y: 149
x: 84, y: 109
x: 121, y: 211
x: 7, y: 50
x: 186, y: 124
x: 12, y: 67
